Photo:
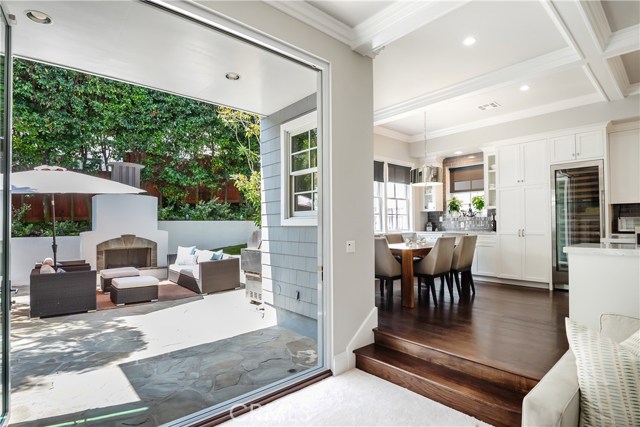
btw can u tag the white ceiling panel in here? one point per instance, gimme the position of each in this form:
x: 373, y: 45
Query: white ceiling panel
x: 552, y: 89
x: 434, y: 57
x: 350, y: 13
x: 137, y: 43
x: 631, y: 63
x: 622, y: 14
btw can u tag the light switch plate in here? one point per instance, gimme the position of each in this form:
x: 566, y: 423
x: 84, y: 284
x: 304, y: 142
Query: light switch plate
x: 351, y: 246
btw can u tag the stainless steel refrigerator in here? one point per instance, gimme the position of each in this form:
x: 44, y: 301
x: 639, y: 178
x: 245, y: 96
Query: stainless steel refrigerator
x: 577, y: 206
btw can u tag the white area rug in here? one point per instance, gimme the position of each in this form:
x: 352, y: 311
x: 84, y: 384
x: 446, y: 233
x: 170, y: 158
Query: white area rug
x: 354, y: 398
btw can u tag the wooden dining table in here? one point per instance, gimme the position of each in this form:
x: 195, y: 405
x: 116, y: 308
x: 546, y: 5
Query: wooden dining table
x: 407, y: 252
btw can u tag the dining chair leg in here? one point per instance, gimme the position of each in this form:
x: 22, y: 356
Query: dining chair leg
x: 389, y: 291
x: 455, y: 276
x: 382, y: 287
x: 449, y: 284
x: 419, y: 286
x: 432, y: 285
x: 473, y: 288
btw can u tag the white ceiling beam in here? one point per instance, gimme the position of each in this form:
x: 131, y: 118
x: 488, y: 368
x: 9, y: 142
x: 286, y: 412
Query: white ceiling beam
x: 315, y: 18
x: 389, y: 133
x: 546, y: 64
x: 623, y: 41
x: 396, y: 21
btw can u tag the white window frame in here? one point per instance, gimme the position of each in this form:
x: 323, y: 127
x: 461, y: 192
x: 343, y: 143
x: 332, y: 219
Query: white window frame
x: 386, y: 161
x: 293, y: 127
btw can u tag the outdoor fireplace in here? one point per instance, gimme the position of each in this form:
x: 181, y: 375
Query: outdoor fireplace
x: 127, y: 250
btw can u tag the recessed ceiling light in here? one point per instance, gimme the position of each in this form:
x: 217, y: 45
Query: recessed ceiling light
x: 38, y: 17
x: 469, y: 41
x: 457, y: 152
x: 525, y: 88
x: 232, y: 76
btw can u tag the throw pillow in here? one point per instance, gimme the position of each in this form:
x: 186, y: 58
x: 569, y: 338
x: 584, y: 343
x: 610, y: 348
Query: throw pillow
x: 608, y: 375
x: 204, y: 256
x: 183, y: 253
x: 188, y: 260
x: 217, y: 256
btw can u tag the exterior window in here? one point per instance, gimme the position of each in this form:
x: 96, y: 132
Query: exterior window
x: 391, y: 197
x: 300, y: 153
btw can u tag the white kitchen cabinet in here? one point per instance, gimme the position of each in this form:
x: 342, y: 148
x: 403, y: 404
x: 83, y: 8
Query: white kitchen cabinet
x: 485, y: 261
x: 523, y: 164
x: 524, y: 233
x: 577, y: 147
x: 624, y: 173
x: 432, y: 199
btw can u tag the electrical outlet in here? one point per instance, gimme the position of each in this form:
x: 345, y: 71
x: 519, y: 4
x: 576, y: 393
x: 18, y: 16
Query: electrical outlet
x: 351, y: 246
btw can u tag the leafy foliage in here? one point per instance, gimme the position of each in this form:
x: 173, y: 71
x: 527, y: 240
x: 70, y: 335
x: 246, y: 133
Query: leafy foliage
x: 20, y: 228
x: 80, y: 121
x: 455, y: 204
x: 250, y: 187
x: 478, y: 203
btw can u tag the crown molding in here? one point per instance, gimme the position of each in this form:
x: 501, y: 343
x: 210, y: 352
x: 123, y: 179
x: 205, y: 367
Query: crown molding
x: 623, y: 41
x: 562, y: 28
x: 595, y: 19
x: 304, y: 12
x: 615, y: 66
x: 389, y: 133
x: 552, y: 62
x: 396, y: 21
x: 518, y: 115
x: 633, y: 89
x: 586, y: 68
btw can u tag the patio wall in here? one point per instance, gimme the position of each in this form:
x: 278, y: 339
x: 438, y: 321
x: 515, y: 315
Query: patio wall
x: 26, y: 251
x: 206, y: 234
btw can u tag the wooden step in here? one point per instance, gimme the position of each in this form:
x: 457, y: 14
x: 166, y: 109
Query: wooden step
x: 427, y: 353
x: 458, y: 390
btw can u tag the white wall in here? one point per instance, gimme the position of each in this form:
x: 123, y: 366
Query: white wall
x: 206, y: 234
x: 353, y: 312
x: 388, y: 149
x: 26, y: 251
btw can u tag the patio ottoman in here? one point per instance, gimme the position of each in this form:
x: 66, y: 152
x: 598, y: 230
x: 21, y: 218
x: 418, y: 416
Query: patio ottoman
x: 108, y: 274
x: 125, y: 290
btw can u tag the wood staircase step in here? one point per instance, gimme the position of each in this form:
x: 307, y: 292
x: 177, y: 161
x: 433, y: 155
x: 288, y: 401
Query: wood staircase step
x: 484, y: 400
x: 427, y: 353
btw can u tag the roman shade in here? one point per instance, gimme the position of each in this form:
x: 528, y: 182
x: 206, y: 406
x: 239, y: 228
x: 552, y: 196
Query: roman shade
x: 468, y: 178
x: 399, y: 174
x: 378, y: 171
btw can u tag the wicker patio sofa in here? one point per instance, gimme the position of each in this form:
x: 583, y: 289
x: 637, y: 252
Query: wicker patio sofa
x: 212, y: 276
x: 62, y: 293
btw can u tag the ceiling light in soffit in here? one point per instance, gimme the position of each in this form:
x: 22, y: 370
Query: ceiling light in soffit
x: 38, y: 17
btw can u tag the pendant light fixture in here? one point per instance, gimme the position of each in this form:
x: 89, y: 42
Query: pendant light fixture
x: 426, y: 175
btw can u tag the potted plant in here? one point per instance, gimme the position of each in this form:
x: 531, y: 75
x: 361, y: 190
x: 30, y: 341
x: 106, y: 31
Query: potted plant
x: 454, y: 206
x: 478, y: 203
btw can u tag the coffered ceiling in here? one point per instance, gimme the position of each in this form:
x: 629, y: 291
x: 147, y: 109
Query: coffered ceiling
x: 529, y: 57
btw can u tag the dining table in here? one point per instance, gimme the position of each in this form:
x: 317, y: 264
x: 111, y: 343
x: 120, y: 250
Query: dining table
x: 408, y: 251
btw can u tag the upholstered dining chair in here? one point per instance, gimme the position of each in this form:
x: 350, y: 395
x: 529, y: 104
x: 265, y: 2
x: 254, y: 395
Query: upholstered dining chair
x: 394, y: 238
x: 387, y: 268
x: 462, y: 261
x: 436, y: 264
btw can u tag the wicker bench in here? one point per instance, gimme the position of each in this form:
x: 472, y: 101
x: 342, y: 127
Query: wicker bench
x: 108, y: 274
x: 126, y: 290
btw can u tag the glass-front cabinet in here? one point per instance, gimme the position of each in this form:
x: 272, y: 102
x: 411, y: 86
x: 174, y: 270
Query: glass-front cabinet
x: 432, y: 198
x: 490, y: 182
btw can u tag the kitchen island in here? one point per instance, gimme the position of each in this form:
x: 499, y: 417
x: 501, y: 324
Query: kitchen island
x: 603, y: 278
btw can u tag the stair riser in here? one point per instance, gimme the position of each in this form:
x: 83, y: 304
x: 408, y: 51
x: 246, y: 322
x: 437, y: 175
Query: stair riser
x: 456, y: 400
x: 480, y: 371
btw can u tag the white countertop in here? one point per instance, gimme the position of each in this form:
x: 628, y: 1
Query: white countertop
x: 458, y: 231
x: 610, y: 249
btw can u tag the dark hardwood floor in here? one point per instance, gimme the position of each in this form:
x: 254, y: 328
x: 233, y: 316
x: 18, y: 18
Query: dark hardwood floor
x: 480, y: 356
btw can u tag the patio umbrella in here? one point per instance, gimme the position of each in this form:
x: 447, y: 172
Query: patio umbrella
x: 57, y: 180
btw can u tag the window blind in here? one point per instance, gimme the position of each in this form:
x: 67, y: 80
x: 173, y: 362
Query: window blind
x: 399, y: 174
x: 378, y: 171
x: 468, y: 178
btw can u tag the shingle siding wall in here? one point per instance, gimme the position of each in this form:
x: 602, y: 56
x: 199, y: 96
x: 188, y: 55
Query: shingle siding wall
x: 289, y: 254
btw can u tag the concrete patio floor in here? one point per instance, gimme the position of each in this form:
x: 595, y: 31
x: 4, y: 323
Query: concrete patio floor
x: 149, y: 363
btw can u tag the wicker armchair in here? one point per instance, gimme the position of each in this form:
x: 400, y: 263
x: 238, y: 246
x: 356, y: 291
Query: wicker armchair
x: 62, y: 293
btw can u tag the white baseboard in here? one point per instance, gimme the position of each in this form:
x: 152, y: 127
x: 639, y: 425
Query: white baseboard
x: 364, y: 335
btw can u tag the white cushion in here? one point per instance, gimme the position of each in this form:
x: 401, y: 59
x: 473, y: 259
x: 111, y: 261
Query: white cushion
x: 183, y: 252
x: 111, y: 273
x: 178, y: 268
x: 134, y: 282
x: 204, y: 256
x: 609, y: 377
x: 187, y: 260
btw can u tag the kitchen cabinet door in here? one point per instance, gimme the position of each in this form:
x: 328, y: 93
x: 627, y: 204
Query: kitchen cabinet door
x: 589, y: 145
x: 534, y: 163
x: 510, y: 257
x: 510, y: 211
x: 536, y: 209
x: 509, y: 165
x: 486, y: 260
x: 624, y: 174
x: 536, y: 258
x: 562, y: 149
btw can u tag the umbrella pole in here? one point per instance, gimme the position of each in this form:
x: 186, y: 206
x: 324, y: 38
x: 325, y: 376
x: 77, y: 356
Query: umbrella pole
x: 54, y: 246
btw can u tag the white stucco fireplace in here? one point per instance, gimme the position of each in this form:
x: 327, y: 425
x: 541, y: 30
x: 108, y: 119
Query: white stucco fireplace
x: 124, y: 233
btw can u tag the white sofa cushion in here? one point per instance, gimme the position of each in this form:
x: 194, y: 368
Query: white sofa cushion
x: 609, y: 377
x: 184, y: 252
x: 204, y: 256
x: 134, y: 282
x: 179, y: 268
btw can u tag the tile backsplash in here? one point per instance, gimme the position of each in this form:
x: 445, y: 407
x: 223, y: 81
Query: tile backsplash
x: 477, y: 223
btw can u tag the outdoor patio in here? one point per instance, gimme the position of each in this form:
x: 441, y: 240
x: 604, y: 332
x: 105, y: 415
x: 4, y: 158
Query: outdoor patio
x: 147, y: 364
